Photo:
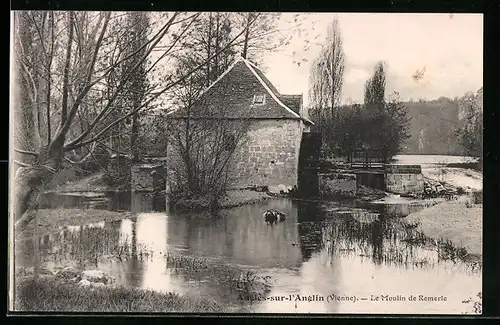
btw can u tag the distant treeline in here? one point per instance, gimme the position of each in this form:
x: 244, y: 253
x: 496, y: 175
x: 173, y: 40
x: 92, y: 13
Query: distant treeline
x: 432, y: 127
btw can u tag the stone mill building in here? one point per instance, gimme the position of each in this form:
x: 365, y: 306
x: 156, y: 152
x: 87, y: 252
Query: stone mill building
x: 275, y: 124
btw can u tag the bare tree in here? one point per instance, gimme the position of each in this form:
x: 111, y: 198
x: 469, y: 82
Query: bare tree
x: 85, y: 44
x: 202, y: 143
x: 268, y: 31
x: 470, y: 134
x: 260, y: 32
x: 206, y: 136
x: 327, y: 75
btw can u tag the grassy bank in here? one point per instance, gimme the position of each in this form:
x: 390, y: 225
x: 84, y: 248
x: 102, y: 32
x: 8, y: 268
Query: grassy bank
x: 232, y: 199
x: 235, y: 198
x: 48, y: 294
x: 49, y: 220
x: 457, y: 222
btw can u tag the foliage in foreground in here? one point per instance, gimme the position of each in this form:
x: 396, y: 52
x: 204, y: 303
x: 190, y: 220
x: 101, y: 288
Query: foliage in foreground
x: 470, y: 134
x: 475, y: 304
x: 47, y: 294
x: 241, y: 281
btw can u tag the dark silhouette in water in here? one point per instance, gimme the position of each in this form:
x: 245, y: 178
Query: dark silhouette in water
x: 272, y: 216
x: 310, y: 228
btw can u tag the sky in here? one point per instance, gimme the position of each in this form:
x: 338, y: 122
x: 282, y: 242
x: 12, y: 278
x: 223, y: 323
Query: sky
x: 449, y: 47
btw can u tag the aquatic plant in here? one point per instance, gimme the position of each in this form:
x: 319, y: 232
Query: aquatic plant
x: 231, y: 277
x: 391, y: 241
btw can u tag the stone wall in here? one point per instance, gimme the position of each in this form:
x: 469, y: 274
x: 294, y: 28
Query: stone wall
x: 403, y: 169
x: 399, y: 179
x: 337, y: 184
x: 404, y: 179
x: 269, y: 155
x: 147, y: 178
x: 119, y: 167
x: 405, y: 183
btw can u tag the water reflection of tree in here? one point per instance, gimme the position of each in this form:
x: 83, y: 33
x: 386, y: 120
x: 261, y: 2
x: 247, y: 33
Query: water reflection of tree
x: 385, y: 240
x: 309, y: 217
x: 134, y: 270
x: 347, y: 234
x: 377, y: 237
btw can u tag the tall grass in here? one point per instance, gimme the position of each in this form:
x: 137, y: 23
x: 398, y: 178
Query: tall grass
x: 393, y: 241
x: 48, y: 294
x: 245, y: 282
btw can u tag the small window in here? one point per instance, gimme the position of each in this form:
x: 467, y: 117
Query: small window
x: 259, y: 99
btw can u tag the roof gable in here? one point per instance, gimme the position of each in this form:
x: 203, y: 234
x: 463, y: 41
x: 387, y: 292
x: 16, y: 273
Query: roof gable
x: 231, y: 96
x: 294, y: 102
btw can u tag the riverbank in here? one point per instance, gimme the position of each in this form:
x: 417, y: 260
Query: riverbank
x: 459, y: 222
x: 458, y: 177
x: 232, y: 199
x: 50, y: 220
x: 49, y: 294
x: 70, y: 288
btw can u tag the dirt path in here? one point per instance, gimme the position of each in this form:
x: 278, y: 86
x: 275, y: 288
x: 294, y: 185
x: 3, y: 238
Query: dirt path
x: 91, y: 183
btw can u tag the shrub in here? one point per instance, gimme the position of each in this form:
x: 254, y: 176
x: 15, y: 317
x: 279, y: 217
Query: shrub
x: 477, y: 197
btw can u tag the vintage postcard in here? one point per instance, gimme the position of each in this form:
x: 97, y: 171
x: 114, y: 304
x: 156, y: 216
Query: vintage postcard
x: 246, y: 162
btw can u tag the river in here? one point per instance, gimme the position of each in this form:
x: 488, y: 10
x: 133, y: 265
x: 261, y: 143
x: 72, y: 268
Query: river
x: 341, y: 257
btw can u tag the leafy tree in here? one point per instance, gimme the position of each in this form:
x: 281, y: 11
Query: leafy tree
x: 470, y: 135
x: 388, y: 124
x: 396, y: 127
x: 375, y: 88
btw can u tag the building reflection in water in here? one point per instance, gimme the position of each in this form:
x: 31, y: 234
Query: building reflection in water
x: 309, y: 218
x: 241, y: 236
x: 318, y: 250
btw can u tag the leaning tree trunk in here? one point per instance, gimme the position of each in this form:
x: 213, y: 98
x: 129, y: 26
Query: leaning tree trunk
x: 28, y: 183
x: 26, y: 197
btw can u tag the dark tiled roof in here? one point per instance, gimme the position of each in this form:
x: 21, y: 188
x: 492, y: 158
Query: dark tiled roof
x: 266, y: 81
x: 231, y: 96
x: 292, y: 101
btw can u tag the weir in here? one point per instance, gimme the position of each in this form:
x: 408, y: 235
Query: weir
x: 319, y: 177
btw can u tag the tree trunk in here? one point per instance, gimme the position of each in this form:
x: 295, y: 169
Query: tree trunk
x: 29, y: 181
x: 209, y: 49
x: 133, y: 138
x: 247, y: 34
x: 216, y: 58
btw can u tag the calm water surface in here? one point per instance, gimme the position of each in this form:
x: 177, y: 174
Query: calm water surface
x: 320, y: 250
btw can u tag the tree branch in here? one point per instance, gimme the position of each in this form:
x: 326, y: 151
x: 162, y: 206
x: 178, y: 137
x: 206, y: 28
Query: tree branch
x: 64, y: 107
x: 88, y: 78
x: 26, y: 152
x: 77, y: 144
x: 21, y: 163
x: 105, y: 111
